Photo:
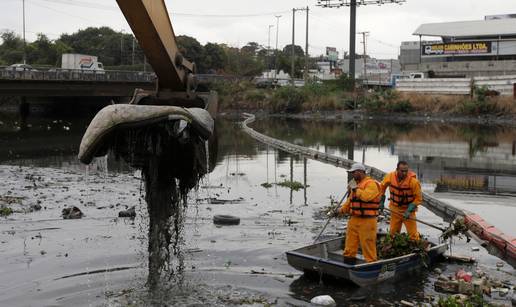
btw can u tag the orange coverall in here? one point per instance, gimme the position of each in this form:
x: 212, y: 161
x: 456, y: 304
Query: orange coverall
x: 362, y: 229
x: 414, y: 196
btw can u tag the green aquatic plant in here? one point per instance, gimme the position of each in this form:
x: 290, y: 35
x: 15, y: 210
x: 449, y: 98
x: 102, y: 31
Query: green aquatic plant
x: 5, y: 211
x: 266, y: 185
x: 471, y: 301
x: 294, y: 185
x: 396, y: 245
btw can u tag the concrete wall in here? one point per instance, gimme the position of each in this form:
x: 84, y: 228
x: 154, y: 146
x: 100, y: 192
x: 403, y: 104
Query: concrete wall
x: 459, y: 86
x: 467, y: 69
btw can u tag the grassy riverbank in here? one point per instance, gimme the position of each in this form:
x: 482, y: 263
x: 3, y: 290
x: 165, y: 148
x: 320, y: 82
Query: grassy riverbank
x: 336, y: 96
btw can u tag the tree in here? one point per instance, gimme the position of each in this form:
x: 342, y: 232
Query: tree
x: 252, y: 49
x: 192, y: 50
x: 11, y: 50
x: 215, y: 57
x: 103, y: 42
x: 243, y: 64
x: 41, y: 51
x: 298, y: 51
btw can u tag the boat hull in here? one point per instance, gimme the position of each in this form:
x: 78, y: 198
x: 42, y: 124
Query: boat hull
x: 325, y: 258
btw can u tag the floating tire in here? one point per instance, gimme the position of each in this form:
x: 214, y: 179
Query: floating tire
x: 226, y: 220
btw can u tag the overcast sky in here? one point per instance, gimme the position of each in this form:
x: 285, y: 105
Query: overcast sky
x: 236, y: 22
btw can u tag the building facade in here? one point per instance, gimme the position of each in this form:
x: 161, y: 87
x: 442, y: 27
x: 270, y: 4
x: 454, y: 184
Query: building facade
x: 463, y: 49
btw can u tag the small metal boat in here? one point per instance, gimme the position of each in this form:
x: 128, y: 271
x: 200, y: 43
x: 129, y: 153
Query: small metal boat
x: 326, y: 258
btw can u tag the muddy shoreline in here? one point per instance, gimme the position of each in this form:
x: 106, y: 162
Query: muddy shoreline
x: 349, y: 116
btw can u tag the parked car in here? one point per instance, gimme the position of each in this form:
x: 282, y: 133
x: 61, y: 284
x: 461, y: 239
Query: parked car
x: 264, y: 83
x: 20, y: 67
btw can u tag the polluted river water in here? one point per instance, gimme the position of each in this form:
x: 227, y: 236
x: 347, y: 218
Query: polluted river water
x: 103, y: 260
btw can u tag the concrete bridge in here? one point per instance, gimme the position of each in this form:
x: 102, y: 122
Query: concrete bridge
x: 73, y: 83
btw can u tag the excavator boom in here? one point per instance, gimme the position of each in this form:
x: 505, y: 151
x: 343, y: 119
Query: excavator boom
x: 150, y: 23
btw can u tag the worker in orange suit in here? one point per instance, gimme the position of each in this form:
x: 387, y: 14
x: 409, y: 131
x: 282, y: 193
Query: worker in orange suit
x: 362, y: 204
x: 405, y: 197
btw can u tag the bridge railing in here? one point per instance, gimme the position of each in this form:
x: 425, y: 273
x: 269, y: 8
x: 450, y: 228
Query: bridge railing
x: 59, y: 74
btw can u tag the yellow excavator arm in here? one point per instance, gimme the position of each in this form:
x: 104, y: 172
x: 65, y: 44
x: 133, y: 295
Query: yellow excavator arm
x: 150, y: 23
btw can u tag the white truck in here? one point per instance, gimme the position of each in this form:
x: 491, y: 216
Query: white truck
x: 80, y: 61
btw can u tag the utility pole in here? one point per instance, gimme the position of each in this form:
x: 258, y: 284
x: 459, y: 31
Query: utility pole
x: 294, y: 10
x: 293, y: 42
x: 132, y: 54
x: 364, y: 36
x: 269, y: 52
x: 306, y: 47
x: 352, y: 32
x: 352, y: 40
x: 24, y: 41
x: 276, y: 52
x: 121, y: 46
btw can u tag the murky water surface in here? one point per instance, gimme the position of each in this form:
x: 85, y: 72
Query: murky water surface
x: 102, y: 259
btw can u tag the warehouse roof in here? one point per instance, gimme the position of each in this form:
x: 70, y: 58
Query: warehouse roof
x: 476, y: 28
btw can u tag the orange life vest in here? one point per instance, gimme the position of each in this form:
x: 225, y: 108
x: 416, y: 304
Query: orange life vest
x: 400, y: 192
x: 362, y: 208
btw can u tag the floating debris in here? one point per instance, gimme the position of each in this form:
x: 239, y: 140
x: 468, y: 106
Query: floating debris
x: 9, y: 200
x: 323, y: 300
x: 457, y: 228
x: 294, y: 185
x: 72, y: 213
x: 5, y: 211
x: 218, y: 201
x: 131, y: 212
x: 266, y: 185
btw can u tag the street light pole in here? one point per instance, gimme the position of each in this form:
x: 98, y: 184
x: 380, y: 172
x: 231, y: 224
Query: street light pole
x: 269, y: 52
x: 276, y: 50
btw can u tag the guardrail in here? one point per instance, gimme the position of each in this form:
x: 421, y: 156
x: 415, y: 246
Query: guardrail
x: 458, y: 86
x: 58, y: 74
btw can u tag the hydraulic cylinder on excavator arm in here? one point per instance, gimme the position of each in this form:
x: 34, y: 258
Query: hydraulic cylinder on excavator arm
x: 150, y: 23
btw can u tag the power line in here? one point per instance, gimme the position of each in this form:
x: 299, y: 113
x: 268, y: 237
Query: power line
x: 64, y: 13
x: 112, y: 8
x: 353, y: 4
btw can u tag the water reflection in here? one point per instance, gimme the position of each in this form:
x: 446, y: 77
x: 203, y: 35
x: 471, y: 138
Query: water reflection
x: 454, y: 157
x: 345, y: 293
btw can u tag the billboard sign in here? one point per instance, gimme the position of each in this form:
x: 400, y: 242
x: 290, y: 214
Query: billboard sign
x: 457, y: 48
x: 332, y: 54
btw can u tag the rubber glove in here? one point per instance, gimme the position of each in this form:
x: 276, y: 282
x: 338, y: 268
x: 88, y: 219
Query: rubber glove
x: 352, y: 185
x: 411, y: 208
x: 382, y: 203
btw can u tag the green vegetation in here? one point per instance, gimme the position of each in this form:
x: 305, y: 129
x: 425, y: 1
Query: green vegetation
x: 114, y: 50
x: 294, y: 185
x: 399, y: 245
x: 479, y: 104
x: 471, y: 301
x: 5, y: 211
x: 266, y: 185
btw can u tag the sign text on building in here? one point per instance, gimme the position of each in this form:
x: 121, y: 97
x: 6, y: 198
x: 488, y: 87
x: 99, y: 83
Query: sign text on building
x: 457, y: 48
